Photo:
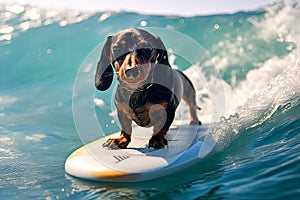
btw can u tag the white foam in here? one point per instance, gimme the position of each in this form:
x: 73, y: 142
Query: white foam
x: 35, y: 16
x: 6, y: 100
x: 35, y: 137
x: 6, y: 140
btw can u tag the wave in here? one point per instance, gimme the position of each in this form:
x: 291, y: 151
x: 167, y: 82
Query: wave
x: 270, y: 86
x: 253, y: 55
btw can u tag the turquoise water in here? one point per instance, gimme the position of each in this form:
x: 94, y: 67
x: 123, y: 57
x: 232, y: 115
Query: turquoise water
x: 254, y: 56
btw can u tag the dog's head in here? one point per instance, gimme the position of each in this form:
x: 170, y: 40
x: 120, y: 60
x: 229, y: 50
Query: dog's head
x: 133, y: 53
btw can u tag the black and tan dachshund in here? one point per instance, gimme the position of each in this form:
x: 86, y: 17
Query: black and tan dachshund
x: 149, y: 90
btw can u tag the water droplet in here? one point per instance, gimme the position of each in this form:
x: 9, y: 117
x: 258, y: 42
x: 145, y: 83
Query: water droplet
x: 143, y: 23
x: 216, y: 26
x: 239, y: 38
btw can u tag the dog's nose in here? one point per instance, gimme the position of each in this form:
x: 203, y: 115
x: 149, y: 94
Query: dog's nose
x: 132, y: 72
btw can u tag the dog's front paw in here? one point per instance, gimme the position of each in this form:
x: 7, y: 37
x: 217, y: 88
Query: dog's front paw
x: 158, y: 141
x: 121, y: 142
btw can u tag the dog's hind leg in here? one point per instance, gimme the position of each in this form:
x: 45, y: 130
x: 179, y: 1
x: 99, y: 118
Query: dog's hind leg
x: 191, y: 101
x: 189, y: 96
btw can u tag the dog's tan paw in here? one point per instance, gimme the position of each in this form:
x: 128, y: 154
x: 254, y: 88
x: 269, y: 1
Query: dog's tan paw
x: 114, y: 143
x: 158, y: 141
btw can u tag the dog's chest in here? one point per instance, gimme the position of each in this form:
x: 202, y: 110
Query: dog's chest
x: 142, y: 106
x: 139, y: 106
x: 149, y: 115
x: 140, y: 116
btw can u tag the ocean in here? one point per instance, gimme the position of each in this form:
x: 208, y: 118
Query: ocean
x: 245, y: 67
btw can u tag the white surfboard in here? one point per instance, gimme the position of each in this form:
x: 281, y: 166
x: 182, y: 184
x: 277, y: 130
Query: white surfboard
x: 187, y: 145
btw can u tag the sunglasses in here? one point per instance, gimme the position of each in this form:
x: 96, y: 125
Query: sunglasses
x: 144, y: 54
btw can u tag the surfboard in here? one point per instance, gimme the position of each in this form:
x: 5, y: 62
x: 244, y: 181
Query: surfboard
x: 187, y: 145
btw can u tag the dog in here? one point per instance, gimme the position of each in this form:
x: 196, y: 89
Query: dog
x: 148, y: 90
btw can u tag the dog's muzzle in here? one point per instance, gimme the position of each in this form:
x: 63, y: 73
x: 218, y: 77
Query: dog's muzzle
x: 132, y: 72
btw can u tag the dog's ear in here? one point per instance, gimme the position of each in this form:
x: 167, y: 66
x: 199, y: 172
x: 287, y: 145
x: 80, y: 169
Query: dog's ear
x: 161, y: 53
x: 104, y: 73
x: 163, y: 72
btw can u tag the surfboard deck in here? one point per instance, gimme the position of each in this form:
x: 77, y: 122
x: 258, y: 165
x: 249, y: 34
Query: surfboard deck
x: 186, y: 146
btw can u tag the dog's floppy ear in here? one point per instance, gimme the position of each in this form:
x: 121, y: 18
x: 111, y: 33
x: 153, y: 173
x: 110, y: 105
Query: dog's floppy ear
x: 163, y: 73
x: 161, y: 53
x: 104, y: 73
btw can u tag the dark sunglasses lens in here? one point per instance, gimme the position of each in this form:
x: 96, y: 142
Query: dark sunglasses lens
x: 146, y: 53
